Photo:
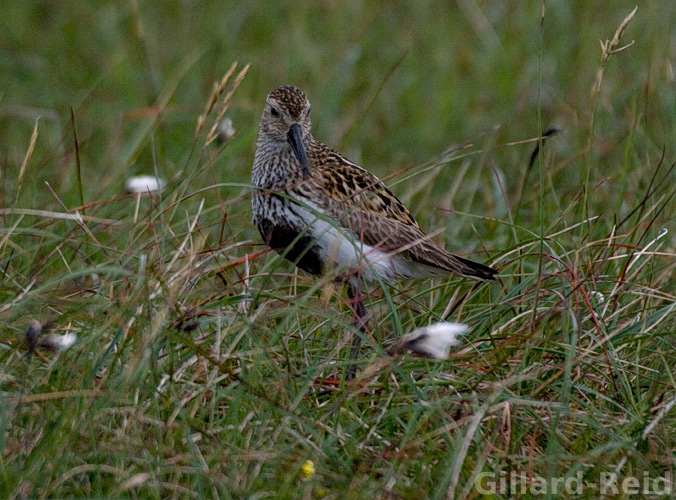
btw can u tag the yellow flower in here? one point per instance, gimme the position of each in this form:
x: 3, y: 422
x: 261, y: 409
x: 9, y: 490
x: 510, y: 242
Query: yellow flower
x: 307, y: 470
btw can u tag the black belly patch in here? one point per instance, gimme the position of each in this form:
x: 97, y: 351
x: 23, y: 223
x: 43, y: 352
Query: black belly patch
x: 285, y: 240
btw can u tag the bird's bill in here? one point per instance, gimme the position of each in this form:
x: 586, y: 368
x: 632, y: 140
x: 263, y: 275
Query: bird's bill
x: 295, y: 138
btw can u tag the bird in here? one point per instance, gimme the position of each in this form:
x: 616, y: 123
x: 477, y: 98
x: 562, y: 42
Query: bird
x: 331, y: 217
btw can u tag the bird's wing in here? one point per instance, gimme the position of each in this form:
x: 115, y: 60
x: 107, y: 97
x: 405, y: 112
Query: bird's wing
x: 410, y: 243
x: 348, y: 184
x: 360, y: 202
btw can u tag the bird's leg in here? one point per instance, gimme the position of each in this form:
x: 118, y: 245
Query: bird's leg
x: 359, y: 321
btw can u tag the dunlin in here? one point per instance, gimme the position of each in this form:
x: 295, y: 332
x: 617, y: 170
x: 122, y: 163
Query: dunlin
x: 330, y: 216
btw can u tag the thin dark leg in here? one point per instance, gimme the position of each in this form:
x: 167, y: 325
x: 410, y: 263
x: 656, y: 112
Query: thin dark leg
x: 359, y: 321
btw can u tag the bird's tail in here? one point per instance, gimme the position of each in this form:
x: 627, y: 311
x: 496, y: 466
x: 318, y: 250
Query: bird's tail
x: 438, y: 261
x: 471, y: 269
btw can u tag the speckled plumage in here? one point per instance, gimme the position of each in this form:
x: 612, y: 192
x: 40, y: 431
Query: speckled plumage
x: 327, y: 214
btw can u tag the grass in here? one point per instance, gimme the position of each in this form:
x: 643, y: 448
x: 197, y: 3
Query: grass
x: 206, y: 367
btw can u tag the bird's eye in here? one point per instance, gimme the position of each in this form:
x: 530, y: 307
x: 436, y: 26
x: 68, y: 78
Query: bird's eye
x: 274, y: 112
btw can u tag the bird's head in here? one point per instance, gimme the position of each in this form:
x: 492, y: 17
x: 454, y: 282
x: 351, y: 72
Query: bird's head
x: 286, y: 119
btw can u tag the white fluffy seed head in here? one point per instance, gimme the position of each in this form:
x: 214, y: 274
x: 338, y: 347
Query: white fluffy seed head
x: 435, y: 341
x: 225, y: 129
x: 55, y: 342
x: 145, y: 184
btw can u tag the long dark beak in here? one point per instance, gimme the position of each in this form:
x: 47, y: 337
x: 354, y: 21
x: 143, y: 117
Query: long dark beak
x: 295, y: 138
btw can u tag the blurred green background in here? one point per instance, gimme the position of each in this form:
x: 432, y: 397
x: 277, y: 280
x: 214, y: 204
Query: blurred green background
x: 393, y: 83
